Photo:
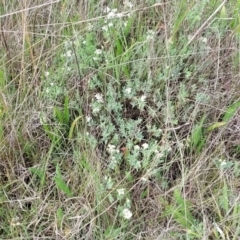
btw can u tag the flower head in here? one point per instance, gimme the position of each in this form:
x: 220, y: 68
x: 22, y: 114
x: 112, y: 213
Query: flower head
x: 68, y: 53
x: 47, y: 74
x: 150, y: 35
x: 99, y: 97
x: 98, y: 52
x: 107, y: 10
x: 128, y: 90
x: 127, y: 214
x: 128, y: 4
x: 89, y: 27
x: 143, y: 98
x: 96, y: 110
x: 144, y: 179
x: 111, y: 148
x: 112, y: 13
x: 136, y: 147
x: 145, y: 146
x: 88, y: 118
x: 120, y: 191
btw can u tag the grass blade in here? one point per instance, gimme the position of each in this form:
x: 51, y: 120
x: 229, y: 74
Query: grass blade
x: 61, y: 184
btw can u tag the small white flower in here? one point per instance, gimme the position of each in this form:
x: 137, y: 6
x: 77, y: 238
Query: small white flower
x: 84, y: 42
x: 119, y: 15
x: 128, y: 90
x: 143, y: 98
x: 120, y: 191
x: 111, y: 148
x: 89, y: 27
x: 145, y: 146
x: 88, y: 118
x: 99, y: 97
x: 96, y: 110
x: 223, y: 163
x: 47, y: 91
x: 144, y: 179
x: 136, y: 147
x: 98, y: 52
x: 127, y: 214
x: 127, y: 3
x: 68, y: 53
x: 107, y: 10
x: 159, y: 154
x: 111, y: 15
x: 105, y: 28
x: 47, y: 74
x: 203, y: 39
x: 150, y: 35
x: 15, y: 222
x: 95, y: 58
x: 110, y: 24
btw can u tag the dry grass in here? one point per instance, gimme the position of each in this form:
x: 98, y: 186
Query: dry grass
x: 57, y: 175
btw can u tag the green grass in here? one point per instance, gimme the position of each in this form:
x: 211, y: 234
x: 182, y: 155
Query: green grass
x: 119, y: 121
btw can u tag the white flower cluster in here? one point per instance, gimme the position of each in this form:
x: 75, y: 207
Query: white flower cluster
x: 222, y: 162
x: 68, y: 54
x: 143, y: 98
x: 127, y: 214
x: 127, y: 4
x: 144, y: 146
x: 111, y: 149
x: 120, y: 191
x: 88, y: 119
x: 113, y: 14
x: 99, y: 97
x: 150, y: 35
x: 97, y: 53
x: 128, y: 90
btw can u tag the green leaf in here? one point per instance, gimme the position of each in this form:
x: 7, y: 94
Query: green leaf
x: 198, y: 136
x: 128, y: 27
x: 231, y: 111
x: 215, y: 125
x: 183, y: 214
x: 66, y: 111
x: 70, y: 134
x: 112, y: 233
x: 223, y: 13
x: 119, y: 48
x: 224, y: 198
x: 59, y: 115
x: 39, y: 172
x: 61, y: 183
x: 59, y: 216
x: 2, y: 78
x: 36, y: 171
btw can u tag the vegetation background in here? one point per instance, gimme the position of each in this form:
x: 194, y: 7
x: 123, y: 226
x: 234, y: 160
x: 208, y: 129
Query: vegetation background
x: 119, y: 119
